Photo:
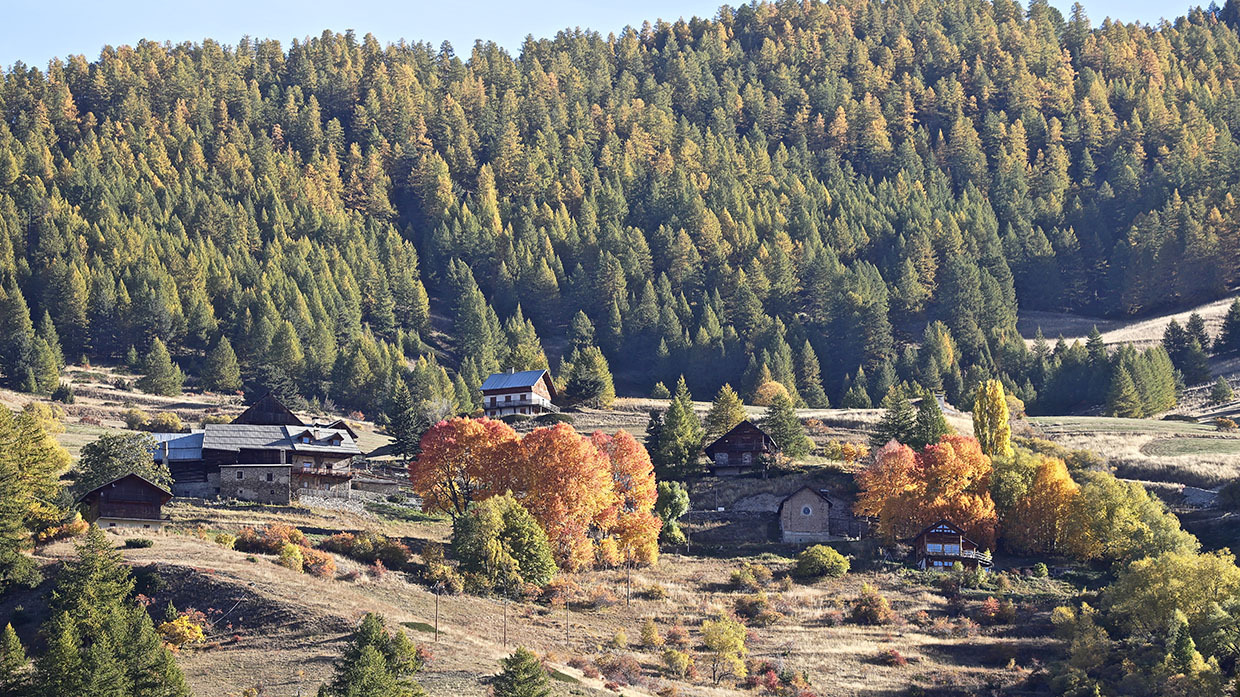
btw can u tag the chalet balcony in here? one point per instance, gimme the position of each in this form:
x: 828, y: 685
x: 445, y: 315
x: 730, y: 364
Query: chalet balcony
x: 324, y: 472
x: 953, y: 551
x: 544, y: 404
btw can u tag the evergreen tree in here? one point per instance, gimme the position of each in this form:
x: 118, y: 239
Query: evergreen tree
x: 898, y: 423
x: 523, y: 675
x: 221, y: 372
x: 45, y: 367
x: 1122, y: 398
x: 160, y: 376
x: 376, y: 663
x: 580, y: 332
x: 856, y: 396
x: 16, y: 340
x: 1228, y: 341
x: 782, y: 425
x: 990, y: 420
x: 929, y: 424
x: 589, y: 379
x: 725, y: 412
x: 14, y: 666
x: 1221, y: 392
x: 680, y: 435
x: 809, y: 379
x: 404, y: 423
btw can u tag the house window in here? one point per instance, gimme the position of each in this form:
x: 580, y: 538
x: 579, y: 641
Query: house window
x: 721, y: 458
x: 806, y: 510
x: 951, y: 549
x: 507, y: 398
x: 934, y: 548
x: 270, y: 477
x: 240, y: 474
x: 747, y: 458
x: 305, y: 439
x: 492, y: 401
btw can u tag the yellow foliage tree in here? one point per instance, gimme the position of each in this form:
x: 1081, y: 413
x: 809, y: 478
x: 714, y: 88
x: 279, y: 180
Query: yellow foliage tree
x: 990, y: 420
x: 1038, y: 522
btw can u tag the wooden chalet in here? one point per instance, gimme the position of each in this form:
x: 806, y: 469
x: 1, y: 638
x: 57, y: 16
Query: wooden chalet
x: 130, y: 501
x: 745, y: 448
x: 529, y: 392
x: 943, y: 545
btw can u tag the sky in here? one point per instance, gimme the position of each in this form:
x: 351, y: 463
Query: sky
x: 35, y: 31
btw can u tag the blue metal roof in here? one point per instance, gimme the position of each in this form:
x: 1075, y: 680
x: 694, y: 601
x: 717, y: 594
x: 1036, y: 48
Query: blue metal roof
x: 509, y: 381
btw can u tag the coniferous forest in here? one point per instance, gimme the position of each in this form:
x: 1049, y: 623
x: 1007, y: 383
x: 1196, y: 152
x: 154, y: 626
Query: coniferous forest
x: 834, y: 196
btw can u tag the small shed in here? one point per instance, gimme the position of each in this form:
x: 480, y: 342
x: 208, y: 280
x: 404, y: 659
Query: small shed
x: 943, y: 545
x: 131, y: 501
x: 805, y: 516
x: 742, y: 449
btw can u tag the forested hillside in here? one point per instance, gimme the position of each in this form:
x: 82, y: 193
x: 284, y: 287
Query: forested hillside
x: 807, y: 190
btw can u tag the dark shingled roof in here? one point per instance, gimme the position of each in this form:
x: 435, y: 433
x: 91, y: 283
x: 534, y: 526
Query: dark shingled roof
x: 265, y: 437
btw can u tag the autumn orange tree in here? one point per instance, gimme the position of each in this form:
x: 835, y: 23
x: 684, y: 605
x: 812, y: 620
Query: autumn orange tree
x: 907, y: 491
x: 457, y: 463
x: 630, y: 528
x: 565, y: 483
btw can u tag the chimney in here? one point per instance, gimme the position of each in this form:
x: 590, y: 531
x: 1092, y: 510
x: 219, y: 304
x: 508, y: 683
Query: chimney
x: 512, y: 370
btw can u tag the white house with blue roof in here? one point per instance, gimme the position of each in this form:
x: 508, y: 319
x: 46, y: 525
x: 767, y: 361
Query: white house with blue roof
x: 528, y: 392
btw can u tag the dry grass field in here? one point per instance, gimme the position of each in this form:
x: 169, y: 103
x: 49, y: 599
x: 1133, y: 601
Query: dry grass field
x: 1142, y: 332
x: 278, y: 631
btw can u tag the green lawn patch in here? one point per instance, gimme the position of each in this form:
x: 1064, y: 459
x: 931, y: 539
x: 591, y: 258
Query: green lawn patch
x: 1171, y: 447
x: 419, y: 626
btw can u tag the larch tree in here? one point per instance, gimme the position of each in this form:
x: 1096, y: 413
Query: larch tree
x: 630, y: 521
x: 725, y: 412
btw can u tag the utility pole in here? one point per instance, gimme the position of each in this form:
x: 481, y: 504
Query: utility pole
x: 438, y: 589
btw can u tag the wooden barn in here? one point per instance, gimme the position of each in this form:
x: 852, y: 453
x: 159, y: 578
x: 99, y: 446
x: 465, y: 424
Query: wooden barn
x: 311, y: 458
x: 130, y: 501
x: 743, y: 449
x: 943, y: 544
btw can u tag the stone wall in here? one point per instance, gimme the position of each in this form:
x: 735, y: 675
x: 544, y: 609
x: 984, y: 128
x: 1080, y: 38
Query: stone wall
x: 270, y: 484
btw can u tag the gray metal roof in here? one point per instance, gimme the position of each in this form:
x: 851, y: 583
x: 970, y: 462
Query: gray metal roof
x: 508, y: 381
x: 267, y: 437
x: 179, y: 446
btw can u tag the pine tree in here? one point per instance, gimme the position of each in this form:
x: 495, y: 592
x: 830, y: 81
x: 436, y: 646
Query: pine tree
x: 1228, y: 341
x: 14, y: 666
x: 990, y: 420
x: 589, y: 380
x: 160, y: 376
x: 16, y: 340
x: 94, y: 585
x: 725, y: 412
x: 44, y: 366
x: 580, y: 332
x: 898, y: 423
x: 856, y: 396
x: 680, y: 435
x: 221, y: 372
x: 1122, y: 398
x: 930, y: 425
x: 809, y: 379
x: 375, y: 663
x: 403, y: 422
x: 781, y: 423
x: 1221, y: 392
x: 59, y: 671
x: 523, y: 675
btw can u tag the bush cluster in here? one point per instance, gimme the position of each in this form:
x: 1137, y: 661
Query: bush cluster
x: 820, y: 560
x: 369, y: 547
